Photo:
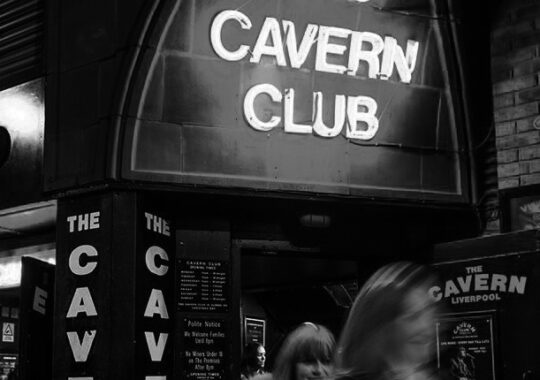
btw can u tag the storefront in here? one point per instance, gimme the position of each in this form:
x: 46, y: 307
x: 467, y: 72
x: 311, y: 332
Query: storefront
x: 227, y: 170
x: 489, y: 287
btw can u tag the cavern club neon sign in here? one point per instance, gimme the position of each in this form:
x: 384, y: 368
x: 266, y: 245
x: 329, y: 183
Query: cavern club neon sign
x: 277, y: 39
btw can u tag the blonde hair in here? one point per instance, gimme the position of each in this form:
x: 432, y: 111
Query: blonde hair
x: 308, y: 342
x: 365, y: 340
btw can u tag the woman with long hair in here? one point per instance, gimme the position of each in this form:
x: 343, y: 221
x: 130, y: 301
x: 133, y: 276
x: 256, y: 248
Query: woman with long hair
x: 390, y: 331
x: 306, y: 354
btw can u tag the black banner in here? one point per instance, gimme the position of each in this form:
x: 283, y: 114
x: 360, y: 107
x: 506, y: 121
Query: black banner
x: 36, y: 319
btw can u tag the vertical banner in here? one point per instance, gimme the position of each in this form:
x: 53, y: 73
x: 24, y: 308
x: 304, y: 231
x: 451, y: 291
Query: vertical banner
x: 155, y: 278
x: 82, y: 324
x: 36, y: 319
x: 465, y: 347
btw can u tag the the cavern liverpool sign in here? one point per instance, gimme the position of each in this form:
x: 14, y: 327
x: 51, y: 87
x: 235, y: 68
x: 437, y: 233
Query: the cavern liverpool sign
x: 333, y: 96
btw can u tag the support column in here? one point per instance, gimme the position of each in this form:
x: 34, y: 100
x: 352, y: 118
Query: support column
x: 113, y: 289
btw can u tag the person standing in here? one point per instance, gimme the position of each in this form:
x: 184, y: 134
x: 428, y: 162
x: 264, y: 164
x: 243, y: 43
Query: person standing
x: 462, y: 365
x: 253, y: 361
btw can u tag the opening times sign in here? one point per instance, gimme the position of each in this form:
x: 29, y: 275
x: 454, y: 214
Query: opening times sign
x: 203, y: 286
x: 465, y: 347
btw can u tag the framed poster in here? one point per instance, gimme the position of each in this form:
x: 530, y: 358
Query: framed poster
x: 465, y: 346
x: 254, y: 330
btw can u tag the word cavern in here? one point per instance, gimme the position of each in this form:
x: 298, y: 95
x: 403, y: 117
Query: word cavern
x: 278, y: 40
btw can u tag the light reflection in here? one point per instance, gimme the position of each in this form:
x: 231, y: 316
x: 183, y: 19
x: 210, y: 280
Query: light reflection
x: 10, y: 267
x: 21, y: 110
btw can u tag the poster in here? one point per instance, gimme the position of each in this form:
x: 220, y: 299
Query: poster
x: 254, y: 330
x: 465, y: 347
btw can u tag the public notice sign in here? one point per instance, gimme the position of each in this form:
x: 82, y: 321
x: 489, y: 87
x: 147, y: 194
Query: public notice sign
x: 204, y: 286
x: 204, y: 352
x: 465, y: 347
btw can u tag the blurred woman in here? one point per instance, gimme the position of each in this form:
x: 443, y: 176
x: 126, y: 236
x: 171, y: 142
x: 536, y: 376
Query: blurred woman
x: 252, y: 361
x: 306, y: 354
x: 390, y: 331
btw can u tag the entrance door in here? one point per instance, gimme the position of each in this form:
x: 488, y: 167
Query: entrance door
x: 282, y: 287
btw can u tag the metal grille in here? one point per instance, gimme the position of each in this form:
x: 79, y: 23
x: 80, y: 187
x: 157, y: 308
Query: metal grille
x: 21, y: 40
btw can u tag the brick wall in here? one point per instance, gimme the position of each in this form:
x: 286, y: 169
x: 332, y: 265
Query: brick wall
x: 515, y: 58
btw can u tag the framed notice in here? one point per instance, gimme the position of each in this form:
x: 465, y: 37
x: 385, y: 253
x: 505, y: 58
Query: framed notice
x: 204, y: 286
x: 254, y: 330
x: 465, y: 346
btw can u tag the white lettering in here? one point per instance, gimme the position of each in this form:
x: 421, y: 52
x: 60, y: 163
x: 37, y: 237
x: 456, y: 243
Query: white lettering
x: 75, y: 260
x: 81, y: 303
x: 215, y: 35
x: 150, y: 259
x: 155, y: 349
x: 450, y: 289
x: 368, y: 117
x: 298, y: 56
x: 288, y: 115
x: 270, y: 28
x: 435, y: 293
x: 249, y: 110
x: 498, y: 282
x: 371, y: 56
x: 481, y: 282
x: 80, y: 349
x: 156, y: 305
x: 404, y: 62
x: 517, y: 284
x: 339, y: 116
x: 465, y: 284
x: 324, y: 47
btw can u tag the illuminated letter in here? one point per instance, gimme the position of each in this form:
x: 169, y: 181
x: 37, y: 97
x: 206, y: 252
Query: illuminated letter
x: 150, y: 257
x: 249, y: 110
x: 269, y: 28
x: 298, y: 56
x: 368, y: 117
x: 288, y: 115
x: 435, y: 293
x: 75, y: 260
x: 324, y: 47
x: 156, y: 305
x: 79, y: 349
x: 156, y: 348
x: 339, y: 116
x: 517, y: 284
x: 215, y: 35
x: 81, y: 303
x: 393, y: 55
x: 370, y: 56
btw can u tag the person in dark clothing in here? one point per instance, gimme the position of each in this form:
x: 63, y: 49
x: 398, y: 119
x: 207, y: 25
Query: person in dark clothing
x: 462, y: 365
x: 252, y: 361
